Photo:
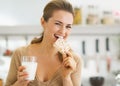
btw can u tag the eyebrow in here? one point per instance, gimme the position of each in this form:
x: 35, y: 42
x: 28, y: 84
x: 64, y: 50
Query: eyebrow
x: 61, y: 22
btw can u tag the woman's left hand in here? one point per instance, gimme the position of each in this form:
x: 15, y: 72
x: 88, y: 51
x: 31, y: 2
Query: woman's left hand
x: 69, y: 64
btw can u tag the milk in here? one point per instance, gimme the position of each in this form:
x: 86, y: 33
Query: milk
x: 30, y: 69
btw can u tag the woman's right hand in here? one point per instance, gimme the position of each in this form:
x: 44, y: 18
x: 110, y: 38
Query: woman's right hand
x: 21, y: 77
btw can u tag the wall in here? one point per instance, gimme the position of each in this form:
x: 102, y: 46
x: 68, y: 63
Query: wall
x: 28, y: 12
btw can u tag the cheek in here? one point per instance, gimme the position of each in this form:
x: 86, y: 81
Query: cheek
x: 68, y: 32
x: 50, y: 29
x: 53, y: 28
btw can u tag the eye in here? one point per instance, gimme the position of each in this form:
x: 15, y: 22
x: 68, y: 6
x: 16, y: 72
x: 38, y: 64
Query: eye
x: 57, y: 23
x: 69, y: 27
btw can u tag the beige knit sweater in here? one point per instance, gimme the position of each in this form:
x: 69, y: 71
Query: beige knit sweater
x: 56, y: 79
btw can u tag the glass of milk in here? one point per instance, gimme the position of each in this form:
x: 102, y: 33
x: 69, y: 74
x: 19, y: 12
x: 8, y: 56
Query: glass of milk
x: 29, y: 62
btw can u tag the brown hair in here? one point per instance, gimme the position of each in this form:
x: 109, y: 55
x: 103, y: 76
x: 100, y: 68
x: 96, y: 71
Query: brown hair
x: 50, y: 8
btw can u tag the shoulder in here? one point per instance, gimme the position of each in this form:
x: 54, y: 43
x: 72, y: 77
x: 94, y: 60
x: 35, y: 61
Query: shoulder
x: 17, y: 53
x: 20, y: 50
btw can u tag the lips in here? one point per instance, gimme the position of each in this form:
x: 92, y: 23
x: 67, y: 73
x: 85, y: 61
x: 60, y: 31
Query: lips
x: 58, y: 36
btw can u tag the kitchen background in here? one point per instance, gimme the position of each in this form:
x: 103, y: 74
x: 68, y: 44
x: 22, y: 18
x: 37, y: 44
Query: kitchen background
x: 95, y: 35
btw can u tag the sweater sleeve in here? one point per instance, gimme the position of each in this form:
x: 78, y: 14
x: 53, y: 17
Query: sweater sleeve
x: 76, y: 75
x: 15, y: 63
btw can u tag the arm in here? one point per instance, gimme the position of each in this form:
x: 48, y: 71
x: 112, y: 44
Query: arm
x: 67, y: 81
x: 71, y: 70
x: 12, y: 74
x: 15, y: 69
x: 76, y: 76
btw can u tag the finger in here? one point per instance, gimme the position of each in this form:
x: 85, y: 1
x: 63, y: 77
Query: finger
x: 22, y: 73
x: 69, y: 54
x: 64, y: 55
x: 66, y: 59
x: 67, y: 64
x: 23, y: 78
x: 21, y: 68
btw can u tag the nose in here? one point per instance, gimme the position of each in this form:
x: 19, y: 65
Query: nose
x: 62, y: 30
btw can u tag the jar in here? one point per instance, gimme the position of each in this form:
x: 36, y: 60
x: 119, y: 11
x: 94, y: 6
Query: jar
x: 92, y: 17
x: 78, y: 16
x: 107, y: 18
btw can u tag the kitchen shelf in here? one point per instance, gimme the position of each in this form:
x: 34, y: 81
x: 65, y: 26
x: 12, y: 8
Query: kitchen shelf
x: 76, y: 30
x: 96, y: 29
x: 20, y: 30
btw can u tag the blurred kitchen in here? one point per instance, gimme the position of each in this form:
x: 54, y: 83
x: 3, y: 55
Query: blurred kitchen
x: 95, y: 36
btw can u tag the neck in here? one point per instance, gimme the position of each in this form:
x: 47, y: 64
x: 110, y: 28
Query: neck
x: 48, y: 49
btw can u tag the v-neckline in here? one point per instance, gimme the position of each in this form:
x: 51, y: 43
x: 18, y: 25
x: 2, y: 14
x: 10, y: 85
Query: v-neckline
x: 52, y: 77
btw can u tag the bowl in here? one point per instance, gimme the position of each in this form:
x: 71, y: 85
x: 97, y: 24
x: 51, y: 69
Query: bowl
x: 96, y: 80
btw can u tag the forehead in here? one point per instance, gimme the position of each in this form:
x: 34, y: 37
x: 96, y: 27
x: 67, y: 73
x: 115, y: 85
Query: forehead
x: 63, y: 16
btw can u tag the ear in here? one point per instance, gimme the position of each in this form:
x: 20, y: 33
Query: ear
x: 42, y: 21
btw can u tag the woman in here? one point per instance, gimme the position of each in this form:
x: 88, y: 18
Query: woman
x: 63, y: 69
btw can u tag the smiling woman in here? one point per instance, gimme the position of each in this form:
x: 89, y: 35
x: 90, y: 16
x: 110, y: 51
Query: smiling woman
x: 64, y: 68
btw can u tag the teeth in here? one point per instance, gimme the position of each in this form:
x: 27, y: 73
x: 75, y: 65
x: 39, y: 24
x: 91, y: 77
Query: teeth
x: 59, y: 36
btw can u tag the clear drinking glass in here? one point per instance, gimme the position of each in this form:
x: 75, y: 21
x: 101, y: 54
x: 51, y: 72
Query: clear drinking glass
x: 29, y: 62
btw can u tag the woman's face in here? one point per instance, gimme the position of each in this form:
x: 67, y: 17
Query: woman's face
x: 59, y: 25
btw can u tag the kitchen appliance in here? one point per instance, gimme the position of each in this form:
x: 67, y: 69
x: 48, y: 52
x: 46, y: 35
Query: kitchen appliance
x: 96, y: 81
